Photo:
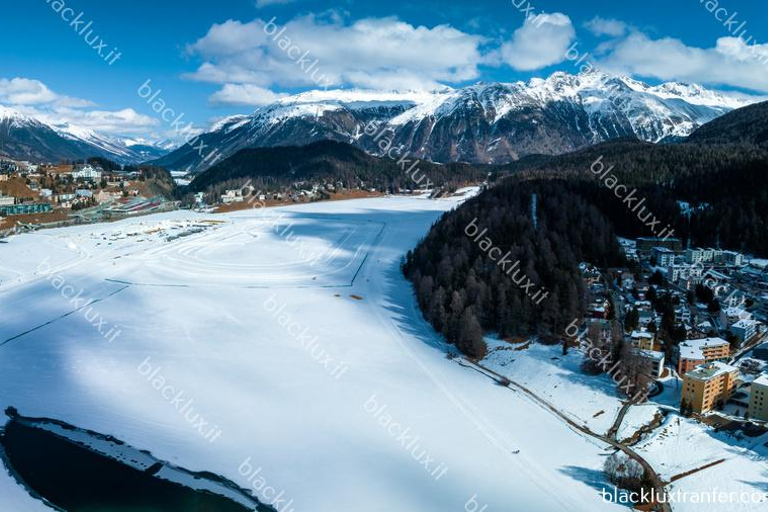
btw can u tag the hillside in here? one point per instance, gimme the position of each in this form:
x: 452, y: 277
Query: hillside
x: 746, y: 125
x: 329, y: 161
x: 463, y: 289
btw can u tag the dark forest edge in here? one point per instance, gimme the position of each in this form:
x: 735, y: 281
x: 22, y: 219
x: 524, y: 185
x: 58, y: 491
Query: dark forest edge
x: 712, y: 190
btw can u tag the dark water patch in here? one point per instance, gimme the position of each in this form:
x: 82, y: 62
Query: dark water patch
x: 65, y: 467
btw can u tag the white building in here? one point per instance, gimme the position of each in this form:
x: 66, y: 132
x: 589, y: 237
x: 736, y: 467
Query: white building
x: 664, y: 257
x: 699, y: 255
x: 745, y: 329
x: 653, y: 362
x: 758, y: 399
x: 87, y: 172
x: 232, y: 196
x: 732, y: 258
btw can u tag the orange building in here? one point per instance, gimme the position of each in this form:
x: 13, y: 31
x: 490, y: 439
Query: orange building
x: 707, y: 385
x: 705, y: 350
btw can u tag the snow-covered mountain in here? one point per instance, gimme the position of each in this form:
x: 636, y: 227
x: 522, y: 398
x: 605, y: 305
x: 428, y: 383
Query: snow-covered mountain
x: 23, y: 137
x: 485, y: 122
x: 123, y: 151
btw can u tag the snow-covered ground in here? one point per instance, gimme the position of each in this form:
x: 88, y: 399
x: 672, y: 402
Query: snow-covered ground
x: 592, y: 401
x: 296, y: 338
x: 677, y: 447
x: 682, y: 445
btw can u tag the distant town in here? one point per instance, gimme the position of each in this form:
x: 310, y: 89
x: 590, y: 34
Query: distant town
x: 34, y: 196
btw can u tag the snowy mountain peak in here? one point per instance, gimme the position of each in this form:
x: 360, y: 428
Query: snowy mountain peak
x: 16, y: 118
x: 485, y: 122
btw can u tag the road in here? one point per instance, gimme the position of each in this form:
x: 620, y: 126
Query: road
x: 651, y: 473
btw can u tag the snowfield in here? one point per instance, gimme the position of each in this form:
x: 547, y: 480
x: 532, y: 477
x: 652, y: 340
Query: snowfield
x: 306, y: 352
x: 591, y: 401
x: 680, y: 450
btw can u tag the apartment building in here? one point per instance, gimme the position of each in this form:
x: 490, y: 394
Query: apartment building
x: 745, y: 329
x: 642, y: 339
x: 699, y: 255
x: 653, y: 363
x: 699, y: 351
x: 664, y: 256
x: 758, y: 399
x: 708, y: 385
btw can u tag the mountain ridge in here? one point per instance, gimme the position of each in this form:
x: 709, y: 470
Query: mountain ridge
x: 487, y: 122
x: 24, y: 137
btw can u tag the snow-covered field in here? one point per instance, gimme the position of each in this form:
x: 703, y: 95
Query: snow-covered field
x: 297, y: 346
x: 677, y: 447
x: 681, y: 446
x: 588, y: 400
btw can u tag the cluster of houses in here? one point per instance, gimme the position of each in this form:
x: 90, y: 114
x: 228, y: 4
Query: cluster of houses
x: 39, y: 188
x: 723, y: 358
x: 300, y: 191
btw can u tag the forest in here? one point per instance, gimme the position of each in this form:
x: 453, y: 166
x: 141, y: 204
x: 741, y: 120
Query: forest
x: 722, y: 188
x: 463, y: 292
x: 333, y: 162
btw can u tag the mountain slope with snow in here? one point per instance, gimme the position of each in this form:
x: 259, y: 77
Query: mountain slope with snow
x: 23, y: 137
x: 120, y: 150
x: 484, y: 123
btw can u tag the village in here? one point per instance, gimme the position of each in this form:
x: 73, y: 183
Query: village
x: 695, y: 314
x: 46, y: 195
x: 34, y: 196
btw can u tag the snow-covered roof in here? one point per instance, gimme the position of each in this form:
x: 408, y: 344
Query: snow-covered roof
x: 744, y: 323
x: 694, y: 349
x: 653, y: 354
x: 709, y: 370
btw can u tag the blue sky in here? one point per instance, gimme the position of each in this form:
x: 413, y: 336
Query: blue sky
x: 213, y: 59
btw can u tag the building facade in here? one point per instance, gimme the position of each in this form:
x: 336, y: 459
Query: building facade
x: 699, y: 351
x: 708, y: 386
x: 758, y: 399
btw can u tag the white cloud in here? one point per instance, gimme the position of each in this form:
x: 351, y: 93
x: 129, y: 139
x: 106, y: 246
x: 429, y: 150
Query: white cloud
x: 373, y: 52
x: 731, y: 62
x: 606, y: 27
x: 25, y: 91
x: 260, y: 4
x: 542, y: 41
x: 34, y: 98
x: 244, y: 95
